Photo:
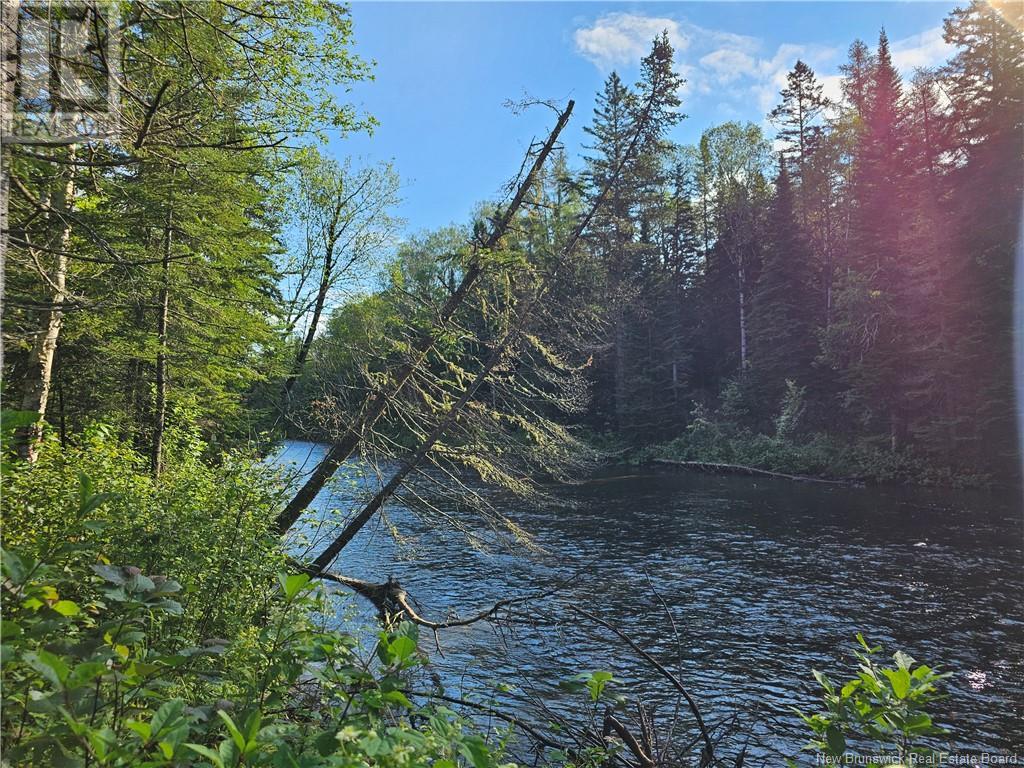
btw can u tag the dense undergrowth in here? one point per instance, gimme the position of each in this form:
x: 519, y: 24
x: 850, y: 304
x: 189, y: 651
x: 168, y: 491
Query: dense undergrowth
x: 154, y: 623
x: 723, y: 436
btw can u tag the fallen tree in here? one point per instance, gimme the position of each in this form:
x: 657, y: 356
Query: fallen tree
x: 378, y: 400
x: 646, y: 128
x: 740, y: 469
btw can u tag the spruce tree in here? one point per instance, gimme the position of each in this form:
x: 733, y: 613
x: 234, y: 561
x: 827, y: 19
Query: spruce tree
x: 798, y: 120
x: 985, y: 82
x: 781, y: 320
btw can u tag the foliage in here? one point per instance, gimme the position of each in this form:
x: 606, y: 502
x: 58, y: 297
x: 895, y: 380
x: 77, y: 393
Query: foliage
x: 790, y: 411
x: 875, y: 270
x: 883, y: 705
x: 205, y: 524
x: 722, y: 437
x: 106, y: 664
x: 141, y: 274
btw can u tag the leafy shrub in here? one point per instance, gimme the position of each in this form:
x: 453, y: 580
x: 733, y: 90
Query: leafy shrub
x: 209, y: 525
x: 105, y: 679
x: 883, y: 708
x: 790, y: 411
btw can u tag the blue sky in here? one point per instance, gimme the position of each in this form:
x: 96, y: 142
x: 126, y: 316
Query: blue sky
x: 444, y: 71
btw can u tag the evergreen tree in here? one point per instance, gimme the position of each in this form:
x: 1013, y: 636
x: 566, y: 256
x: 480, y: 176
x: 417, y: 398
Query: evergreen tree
x: 985, y: 82
x: 857, y: 76
x: 865, y: 344
x: 782, y: 320
x: 797, y: 118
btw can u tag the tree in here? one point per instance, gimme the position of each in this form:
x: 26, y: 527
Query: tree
x: 984, y: 82
x: 344, y: 223
x: 497, y: 368
x: 625, y: 230
x: 782, y: 320
x: 866, y: 345
x: 803, y: 105
x: 799, y: 119
x: 209, y: 93
x: 378, y: 400
x: 857, y: 76
x: 738, y: 154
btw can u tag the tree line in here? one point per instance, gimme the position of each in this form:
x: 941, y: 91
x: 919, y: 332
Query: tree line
x: 865, y: 258
x: 208, y: 267
x: 843, y: 278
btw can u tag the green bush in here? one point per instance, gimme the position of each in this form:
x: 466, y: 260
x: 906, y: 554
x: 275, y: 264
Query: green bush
x: 883, y: 709
x: 208, y: 525
x: 107, y: 678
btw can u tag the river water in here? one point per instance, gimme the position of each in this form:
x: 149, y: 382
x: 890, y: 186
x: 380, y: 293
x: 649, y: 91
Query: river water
x: 763, y: 579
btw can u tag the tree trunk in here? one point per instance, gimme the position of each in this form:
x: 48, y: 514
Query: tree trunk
x: 498, y: 351
x: 620, y: 369
x: 377, y: 402
x: 9, y: 36
x: 40, y: 374
x: 741, y: 275
x: 160, y: 409
x: 314, y: 322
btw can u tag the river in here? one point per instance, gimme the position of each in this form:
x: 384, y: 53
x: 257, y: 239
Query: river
x: 764, y: 579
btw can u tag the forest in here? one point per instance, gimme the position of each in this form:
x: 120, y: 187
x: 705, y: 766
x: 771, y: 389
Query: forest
x: 830, y: 298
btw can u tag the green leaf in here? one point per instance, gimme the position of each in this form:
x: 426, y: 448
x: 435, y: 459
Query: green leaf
x: 836, y: 741
x: 292, y: 584
x: 899, y: 679
x: 13, y: 567
x: 49, y: 666
x: 168, y: 715
x: 326, y: 742
x: 85, y: 673
x: 374, y: 745
x: 252, y: 726
x: 903, y: 660
x: 208, y: 753
x: 397, y: 697
x: 102, y: 740
x: 112, y: 573
x: 66, y: 608
x: 596, y: 683
x: 229, y: 752
x: 476, y: 750
x: 919, y: 723
x: 401, y: 648
x: 172, y: 607
x: 236, y: 735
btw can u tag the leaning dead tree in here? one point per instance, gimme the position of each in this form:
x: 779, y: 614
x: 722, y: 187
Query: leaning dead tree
x: 502, y: 348
x: 378, y: 401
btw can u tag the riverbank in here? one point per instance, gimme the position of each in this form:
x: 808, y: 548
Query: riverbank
x: 819, y: 457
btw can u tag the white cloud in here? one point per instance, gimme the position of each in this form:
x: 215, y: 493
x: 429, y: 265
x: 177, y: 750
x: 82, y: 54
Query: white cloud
x: 832, y: 87
x: 617, y: 39
x: 729, y: 68
x: 710, y: 59
x: 728, y: 64
x: 771, y: 73
x: 922, y: 50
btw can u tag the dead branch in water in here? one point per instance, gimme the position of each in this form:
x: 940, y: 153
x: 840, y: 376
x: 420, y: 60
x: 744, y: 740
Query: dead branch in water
x: 394, y: 603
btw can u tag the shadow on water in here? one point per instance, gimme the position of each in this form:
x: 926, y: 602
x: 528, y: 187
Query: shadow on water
x: 765, y: 580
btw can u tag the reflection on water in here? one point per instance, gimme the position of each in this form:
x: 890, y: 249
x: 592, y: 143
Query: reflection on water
x: 765, y: 580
